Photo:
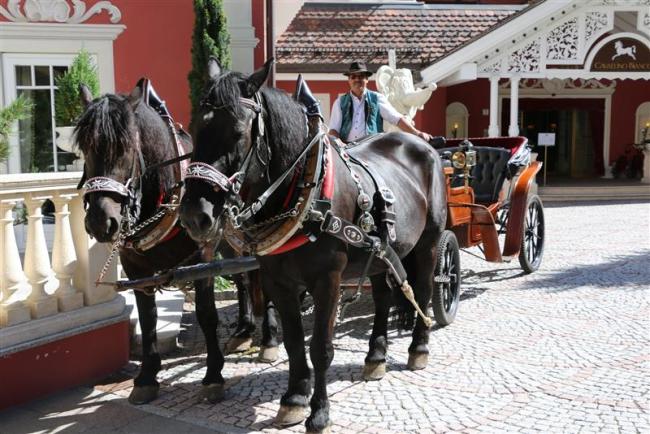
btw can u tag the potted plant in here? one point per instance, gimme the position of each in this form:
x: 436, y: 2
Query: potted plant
x: 67, y: 102
x: 20, y: 108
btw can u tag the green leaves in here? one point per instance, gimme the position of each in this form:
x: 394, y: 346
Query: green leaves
x: 68, y: 105
x: 210, y: 38
x: 21, y: 108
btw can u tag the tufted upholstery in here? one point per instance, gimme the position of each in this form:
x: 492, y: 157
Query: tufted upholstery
x: 489, y: 173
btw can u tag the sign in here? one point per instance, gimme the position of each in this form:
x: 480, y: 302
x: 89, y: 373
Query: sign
x: 622, y: 54
x: 546, y: 139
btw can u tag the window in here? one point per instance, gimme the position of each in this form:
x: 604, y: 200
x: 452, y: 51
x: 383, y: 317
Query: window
x: 34, y: 149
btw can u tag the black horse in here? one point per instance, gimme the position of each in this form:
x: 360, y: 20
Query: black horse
x: 126, y: 144
x: 228, y: 133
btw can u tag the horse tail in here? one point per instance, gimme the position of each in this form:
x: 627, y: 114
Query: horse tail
x: 257, y: 297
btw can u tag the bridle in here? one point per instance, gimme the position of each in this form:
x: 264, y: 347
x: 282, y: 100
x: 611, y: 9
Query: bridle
x: 231, y: 185
x: 130, y: 192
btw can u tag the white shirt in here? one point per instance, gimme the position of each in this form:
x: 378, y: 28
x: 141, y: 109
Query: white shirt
x: 358, y: 129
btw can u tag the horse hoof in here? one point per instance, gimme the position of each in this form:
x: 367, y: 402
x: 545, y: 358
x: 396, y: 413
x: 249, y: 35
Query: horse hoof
x: 238, y: 345
x: 268, y: 355
x: 417, y: 361
x: 143, y: 394
x: 213, y: 393
x: 373, y: 371
x: 289, y: 415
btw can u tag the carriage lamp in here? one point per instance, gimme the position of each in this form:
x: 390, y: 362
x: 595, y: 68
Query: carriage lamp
x: 464, y: 160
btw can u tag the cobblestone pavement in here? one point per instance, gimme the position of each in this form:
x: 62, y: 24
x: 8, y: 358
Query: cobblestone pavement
x: 565, y: 349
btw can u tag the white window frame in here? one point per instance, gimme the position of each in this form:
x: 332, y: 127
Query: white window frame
x: 49, y: 39
x: 9, y: 63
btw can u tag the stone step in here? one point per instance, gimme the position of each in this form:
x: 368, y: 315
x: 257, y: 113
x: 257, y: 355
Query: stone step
x: 588, y: 192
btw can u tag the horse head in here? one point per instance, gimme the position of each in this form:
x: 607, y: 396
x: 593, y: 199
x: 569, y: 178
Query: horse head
x: 226, y: 149
x: 108, y: 136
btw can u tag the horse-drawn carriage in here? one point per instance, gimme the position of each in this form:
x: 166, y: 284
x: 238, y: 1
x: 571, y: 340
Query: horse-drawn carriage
x: 490, y: 195
x: 253, y: 178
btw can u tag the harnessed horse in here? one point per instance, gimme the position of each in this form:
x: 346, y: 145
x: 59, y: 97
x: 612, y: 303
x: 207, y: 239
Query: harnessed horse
x: 132, y: 179
x: 315, y: 213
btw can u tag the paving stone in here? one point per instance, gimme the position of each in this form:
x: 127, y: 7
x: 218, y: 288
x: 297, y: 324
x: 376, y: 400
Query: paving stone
x: 563, y: 349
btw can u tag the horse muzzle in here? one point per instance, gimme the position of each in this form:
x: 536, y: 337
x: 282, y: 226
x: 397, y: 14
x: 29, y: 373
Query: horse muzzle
x: 197, y: 219
x: 103, y: 228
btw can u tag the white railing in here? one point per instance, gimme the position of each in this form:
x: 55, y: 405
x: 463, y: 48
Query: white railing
x: 52, y: 291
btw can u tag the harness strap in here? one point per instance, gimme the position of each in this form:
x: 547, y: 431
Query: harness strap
x: 248, y: 212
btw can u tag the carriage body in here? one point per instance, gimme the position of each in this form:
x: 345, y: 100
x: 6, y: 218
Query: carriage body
x: 496, y: 198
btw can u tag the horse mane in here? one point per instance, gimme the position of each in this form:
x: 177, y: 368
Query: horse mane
x: 110, y: 127
x: 284, y: 117
x: 106, y: 129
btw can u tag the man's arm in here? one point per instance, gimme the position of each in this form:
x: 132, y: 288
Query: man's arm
x: 392, y: 116
x: 335, y: 119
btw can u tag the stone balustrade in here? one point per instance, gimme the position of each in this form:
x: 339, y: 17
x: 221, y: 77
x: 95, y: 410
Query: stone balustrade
x: 52, y: 292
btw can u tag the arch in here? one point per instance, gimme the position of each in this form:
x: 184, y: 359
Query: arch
x: 642, y: 122
x: 457, y: 116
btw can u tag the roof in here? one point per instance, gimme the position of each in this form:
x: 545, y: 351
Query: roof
x: 327, y: 37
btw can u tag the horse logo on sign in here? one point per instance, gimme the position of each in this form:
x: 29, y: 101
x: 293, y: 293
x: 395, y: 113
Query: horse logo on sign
x: 624, y: 51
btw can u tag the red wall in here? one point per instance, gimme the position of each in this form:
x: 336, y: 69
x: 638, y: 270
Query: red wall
x: 160, y: 51
x: 475, y: 95
x: 628, y: 96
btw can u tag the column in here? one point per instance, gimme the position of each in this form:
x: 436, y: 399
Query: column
x: 37, y: 262
x: 12, y: 279
x: 493, y: 129
x: 64, y: 258
x: 513, y: 129
x: 91, y: 257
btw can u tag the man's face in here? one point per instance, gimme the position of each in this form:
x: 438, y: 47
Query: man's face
x: 358, y: 83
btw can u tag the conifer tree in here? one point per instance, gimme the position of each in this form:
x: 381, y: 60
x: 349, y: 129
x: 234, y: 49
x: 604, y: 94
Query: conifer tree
x: 210, y: 38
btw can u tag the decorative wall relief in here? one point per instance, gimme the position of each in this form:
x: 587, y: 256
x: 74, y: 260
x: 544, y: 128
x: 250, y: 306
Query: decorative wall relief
x: 56, y: 11
x: 491, y: 68
x: 562, y: 41
x: 595, y: 22
x: 526, y: 59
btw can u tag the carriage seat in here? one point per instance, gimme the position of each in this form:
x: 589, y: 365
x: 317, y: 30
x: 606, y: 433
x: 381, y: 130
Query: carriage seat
x: 489, y: 174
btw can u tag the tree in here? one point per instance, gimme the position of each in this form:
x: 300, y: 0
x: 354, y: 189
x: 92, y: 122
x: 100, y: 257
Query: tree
x: 68, y: 105
x: 20, y: 108
x: 210, y: 39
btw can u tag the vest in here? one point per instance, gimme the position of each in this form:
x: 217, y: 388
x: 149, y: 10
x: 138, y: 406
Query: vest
x: 374, y: 121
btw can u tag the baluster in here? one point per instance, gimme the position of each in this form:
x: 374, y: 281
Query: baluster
x: 64, y: 259
x: 12, y: 279
x: 91, y: 256
x: 37, y: 262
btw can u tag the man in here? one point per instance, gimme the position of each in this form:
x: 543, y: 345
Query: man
x: 362, y: 112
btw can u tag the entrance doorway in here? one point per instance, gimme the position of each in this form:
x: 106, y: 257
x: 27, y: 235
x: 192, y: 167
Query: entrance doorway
x: 578, y: 125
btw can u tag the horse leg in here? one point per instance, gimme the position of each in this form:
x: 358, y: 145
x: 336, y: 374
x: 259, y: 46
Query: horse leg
x: 375, y: 363
x: 269, y: 347
x: 321, y: 351
x: 206, y: 313
x: 421, y: 264
x: 294, y: 401
x: 145, y: 386
x: 242, y: 339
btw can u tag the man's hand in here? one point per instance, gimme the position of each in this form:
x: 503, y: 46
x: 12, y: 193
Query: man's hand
x: 424, y: 136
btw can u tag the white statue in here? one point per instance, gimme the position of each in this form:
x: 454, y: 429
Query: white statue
x: 397, y: 86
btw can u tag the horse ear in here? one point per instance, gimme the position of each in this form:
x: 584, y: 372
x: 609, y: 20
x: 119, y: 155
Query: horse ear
x: 257, y: 78
x: 85, y: 94
x: 136, y: 95
x: 214, y: 69
x: 383, y: 78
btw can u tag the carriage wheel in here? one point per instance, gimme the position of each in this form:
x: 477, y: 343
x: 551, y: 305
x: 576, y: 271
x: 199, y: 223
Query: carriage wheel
x: 446, y: 280
x: 532, y: 243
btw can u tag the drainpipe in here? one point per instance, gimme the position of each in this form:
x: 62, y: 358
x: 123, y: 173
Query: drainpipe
x: 270, y: 40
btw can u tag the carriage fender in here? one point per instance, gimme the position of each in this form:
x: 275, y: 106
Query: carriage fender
x: 518, y: 205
